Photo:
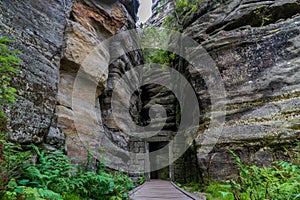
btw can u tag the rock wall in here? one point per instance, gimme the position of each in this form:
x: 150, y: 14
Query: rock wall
x: 259, y: 63
x: 255, y: 45
x: 84, y: 120
x: 38, y: 30
x: 61, y: 41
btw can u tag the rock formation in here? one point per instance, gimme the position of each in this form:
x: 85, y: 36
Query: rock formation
x: 255, y: 45
x: 38, y: 29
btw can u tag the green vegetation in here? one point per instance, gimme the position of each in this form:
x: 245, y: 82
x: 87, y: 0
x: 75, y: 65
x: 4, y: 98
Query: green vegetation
x: 7, y: 67
x: 141, y: 180
x: 218, y: 191
x: 183, y: 8
x: 281, y: 181
x: 260, y: 12
x: 191, y: 187
x: 156, y: 56
x: 52, y: 176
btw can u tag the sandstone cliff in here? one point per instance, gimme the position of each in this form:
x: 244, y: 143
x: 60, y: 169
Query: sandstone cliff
x: 55, y: 37
x: 255, y: 45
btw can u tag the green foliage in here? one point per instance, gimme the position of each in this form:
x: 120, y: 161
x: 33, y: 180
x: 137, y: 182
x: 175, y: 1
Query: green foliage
x: 183, y: 9
x: 104, y: 186
x: 156, y: 56
x: 51, y: 171
x: 186, y: 7
x: 141, y: 180
x: 54, y: 177
x: 219, y: 191
x: 16, y: 192
x: 70, y: 196
x: 280, y: 181
x: 12, y: 161
x: 7, y: 67
x: 193, y: 186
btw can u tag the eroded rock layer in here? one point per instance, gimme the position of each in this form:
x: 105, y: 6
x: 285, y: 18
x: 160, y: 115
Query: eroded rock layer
x: 38, y: 30
x: 67, y: 78
x: 255, y: 45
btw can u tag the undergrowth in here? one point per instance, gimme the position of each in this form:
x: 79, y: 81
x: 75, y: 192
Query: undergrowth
x: 54, y: 177
x: 280, y: 181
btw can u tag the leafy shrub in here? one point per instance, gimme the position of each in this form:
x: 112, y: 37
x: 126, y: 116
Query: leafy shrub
x: 15, y: 192
x: 281, y: 181
x: 13, y: 160
x: 156, y: 56
x: 55, y: 172
x: 219, y: 191
x: 193, y: 186
x: 54, y: 177
x: 51, y: 171
x: 141, y: 179
x: 183, y: 8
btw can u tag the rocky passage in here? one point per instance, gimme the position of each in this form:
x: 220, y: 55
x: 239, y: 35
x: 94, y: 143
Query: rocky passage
x: 255, y: 44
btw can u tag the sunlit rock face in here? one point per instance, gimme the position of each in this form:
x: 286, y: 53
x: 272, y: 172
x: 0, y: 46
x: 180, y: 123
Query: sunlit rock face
x: 86, y: 74
x: 255, y: 45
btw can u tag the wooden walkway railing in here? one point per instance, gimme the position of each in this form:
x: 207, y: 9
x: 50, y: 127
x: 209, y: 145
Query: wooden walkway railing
x: 160, y: 190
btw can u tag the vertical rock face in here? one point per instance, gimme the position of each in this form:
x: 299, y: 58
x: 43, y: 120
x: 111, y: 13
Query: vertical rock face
x: 38, y: 29
x: 255, y: 45
x: 161, y: 10
x: 86, y: 74
x: 256, y: 48
x: 61, y: 41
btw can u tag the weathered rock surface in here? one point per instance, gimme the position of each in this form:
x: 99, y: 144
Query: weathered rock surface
x: 66, y: 69
x: 38, y: 29
x: 259, y: 64
x: 255, y: 45
x: 86, y: 73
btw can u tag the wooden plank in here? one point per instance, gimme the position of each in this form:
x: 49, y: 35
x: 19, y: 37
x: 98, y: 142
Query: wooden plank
x: 159, y: 190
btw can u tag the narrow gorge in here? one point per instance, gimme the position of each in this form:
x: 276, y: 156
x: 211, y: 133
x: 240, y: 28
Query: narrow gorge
x: 255, y: 46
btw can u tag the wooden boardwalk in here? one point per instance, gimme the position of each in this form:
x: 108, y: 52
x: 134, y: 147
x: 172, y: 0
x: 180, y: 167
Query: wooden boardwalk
x: 160, y: 190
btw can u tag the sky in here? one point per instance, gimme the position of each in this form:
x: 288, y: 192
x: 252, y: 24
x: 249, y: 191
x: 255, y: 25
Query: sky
x: 144, y: 10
